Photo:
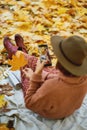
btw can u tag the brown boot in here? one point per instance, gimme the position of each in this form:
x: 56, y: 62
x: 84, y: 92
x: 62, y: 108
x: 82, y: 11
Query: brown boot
x: 20, y: 43
x: 11, y: 49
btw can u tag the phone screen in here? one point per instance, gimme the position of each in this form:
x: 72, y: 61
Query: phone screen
x: 44, y: 54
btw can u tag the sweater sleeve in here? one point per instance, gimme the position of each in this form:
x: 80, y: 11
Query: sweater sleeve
x: 35, y: 83
x: 38, y: 95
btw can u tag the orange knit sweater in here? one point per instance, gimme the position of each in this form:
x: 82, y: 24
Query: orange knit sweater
x: 55, y: 96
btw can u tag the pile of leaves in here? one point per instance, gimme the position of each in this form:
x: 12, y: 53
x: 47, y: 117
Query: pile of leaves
x: 38, y: 20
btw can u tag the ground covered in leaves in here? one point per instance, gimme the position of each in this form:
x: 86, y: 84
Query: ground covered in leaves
x: 38, y: 20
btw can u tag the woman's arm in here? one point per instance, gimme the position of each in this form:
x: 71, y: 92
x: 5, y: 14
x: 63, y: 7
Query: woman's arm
x: 36, y: 80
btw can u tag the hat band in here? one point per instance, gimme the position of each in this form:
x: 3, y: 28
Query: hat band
x: 60, y: 45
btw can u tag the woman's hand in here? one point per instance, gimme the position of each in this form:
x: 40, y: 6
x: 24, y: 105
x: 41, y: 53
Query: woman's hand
x: 40, y: 66
x: 27, y: 72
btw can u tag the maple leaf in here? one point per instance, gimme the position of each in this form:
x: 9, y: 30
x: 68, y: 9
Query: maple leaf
x: 40, y: 27
x: 73, y: 3
x: 62, y: 10
x: 21, y: 15
x: 23, y: 25
x: 49, y: 3
x: 18, y: 60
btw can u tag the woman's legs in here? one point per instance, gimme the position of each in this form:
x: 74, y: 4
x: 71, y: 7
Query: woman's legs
x: 11, y: 49
x: 20, y: 43
x: 32, y: 60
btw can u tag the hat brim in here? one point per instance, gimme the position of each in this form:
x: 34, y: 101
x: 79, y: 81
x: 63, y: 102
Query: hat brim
x: 74, y: 69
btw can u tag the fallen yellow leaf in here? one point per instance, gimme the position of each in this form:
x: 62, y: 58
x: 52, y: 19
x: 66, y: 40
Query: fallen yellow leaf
x: 18, y: 60
x: 62, y: 10
x: 2, y: 101
x: 40, y: 27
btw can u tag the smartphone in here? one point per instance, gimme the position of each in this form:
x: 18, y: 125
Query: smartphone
x: 44, y: 54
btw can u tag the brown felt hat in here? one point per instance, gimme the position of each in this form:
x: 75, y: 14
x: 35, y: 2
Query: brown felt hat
x: 71, y: 52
